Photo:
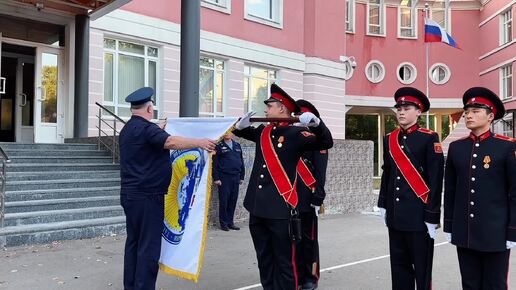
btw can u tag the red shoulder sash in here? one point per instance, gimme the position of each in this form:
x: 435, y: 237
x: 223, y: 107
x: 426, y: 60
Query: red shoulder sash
x: 276, y: 170
x: 306, y: 175
x: 414, y: 179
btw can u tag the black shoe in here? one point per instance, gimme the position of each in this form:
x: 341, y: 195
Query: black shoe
x: 309, y: 286
x: 224, y: 228
x: 233, y: 227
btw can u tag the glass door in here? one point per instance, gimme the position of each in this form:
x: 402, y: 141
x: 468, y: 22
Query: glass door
x: 25, y: 100
x: 48, y: 108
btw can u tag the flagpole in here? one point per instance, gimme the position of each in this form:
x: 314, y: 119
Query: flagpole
x: 427, y: 73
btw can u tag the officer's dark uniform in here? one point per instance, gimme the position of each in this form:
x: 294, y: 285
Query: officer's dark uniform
x: 228, y: 167
x: 269, y: 212
x: 308, y: 249
x: 411, y: 248
x: 480, y: 199
x: 145, y: 173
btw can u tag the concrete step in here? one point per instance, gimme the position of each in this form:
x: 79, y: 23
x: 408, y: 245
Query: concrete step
x: 61, y: 193
x: 61, y: 183
x: 43, y: 146
x: 60, y: 159
x: 66, y: 230
x: 52, y: 216
x: 59, y: 153
x: 20, y: 167
x: 58, y: 204
x: 20, y: 176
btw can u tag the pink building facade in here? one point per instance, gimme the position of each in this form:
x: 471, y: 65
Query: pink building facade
x: 346, y: 56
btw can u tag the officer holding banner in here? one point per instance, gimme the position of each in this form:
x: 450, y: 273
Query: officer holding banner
x: 410, y: 193
x: 271, y: 196
x: 480, y: 195
x: 311, y: 171
x: 145, y: 173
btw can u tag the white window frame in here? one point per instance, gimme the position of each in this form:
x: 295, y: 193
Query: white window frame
x: 224, y: 88
x: 213, y: 4
x: 508, y: 119
x: 506, y: 25
x: 506, y: 78
x: 276, y: 21
x: 382, y: 10
x: 350, y: 16
x: 381, y: 76
x: 447, y: 74
x: 270, y: 81
x: 413, y: 75
x: 413, y: 19
x: 116, y: 53
x: 447, y: 15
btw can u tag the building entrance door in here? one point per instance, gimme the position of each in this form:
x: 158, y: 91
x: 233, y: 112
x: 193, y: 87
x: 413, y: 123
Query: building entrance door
x: 48, y: 107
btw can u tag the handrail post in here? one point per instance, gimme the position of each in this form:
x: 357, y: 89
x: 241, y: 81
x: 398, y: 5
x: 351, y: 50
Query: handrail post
x: 100, y: 124
x: 114, y: 140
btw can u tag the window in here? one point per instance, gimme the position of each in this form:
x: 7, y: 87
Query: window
x: 127, y: 67
x: 506, y: 27
x: 508, y: 125
x: 439, y: 13
x: 350, y: 15
x: 376, y: 17
x: 219, y: 5
x: 375, y: 71
x: 506, y: 78
x: 257, y: 83
x: 407, y: 73
x: 440, y: 73
x: 407, y: 19
x: 269, y: 12
x: 211, y: 87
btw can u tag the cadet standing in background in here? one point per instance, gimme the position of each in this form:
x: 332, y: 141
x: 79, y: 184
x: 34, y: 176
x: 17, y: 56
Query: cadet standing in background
x: 310, y: 187
x: 480, y: 195
x: 410, y: 193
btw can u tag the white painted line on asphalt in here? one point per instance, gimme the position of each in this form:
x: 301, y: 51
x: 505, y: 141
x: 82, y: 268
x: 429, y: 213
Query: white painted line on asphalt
x: 339, y: 266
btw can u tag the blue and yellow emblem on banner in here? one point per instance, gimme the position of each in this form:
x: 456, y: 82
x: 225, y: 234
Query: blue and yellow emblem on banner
x: 187, y: 168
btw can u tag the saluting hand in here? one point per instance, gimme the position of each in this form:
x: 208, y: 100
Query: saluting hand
x: 245, y: 121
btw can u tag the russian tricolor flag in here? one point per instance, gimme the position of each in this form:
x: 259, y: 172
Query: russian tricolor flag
x: 435, y: 33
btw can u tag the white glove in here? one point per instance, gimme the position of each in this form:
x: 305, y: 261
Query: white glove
x: 510, y: 244
x: 448, y: 236
x: 244, y: 122
x: 316, y: 208
x: 309, y: 119
x: 384, y: 216
x: 432, y: 230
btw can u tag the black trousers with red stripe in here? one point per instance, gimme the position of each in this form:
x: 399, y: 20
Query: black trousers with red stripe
x: 276, y: 253
x: 411, y: 260
x: 308, y: 249
x: 483, y: 270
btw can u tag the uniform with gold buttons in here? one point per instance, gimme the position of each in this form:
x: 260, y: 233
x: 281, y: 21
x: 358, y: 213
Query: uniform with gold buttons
x: 480, y: 195
x: 270, y: 213
x: 415, y: 152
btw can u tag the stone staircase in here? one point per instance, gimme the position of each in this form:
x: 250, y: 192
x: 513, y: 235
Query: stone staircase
x: 60, y: 192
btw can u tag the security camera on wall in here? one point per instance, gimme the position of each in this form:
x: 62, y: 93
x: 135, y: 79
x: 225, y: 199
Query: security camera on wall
x: 350, y: 65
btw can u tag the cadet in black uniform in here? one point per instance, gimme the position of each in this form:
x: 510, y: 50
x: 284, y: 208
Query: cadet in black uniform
x: 271, y: 195
x: 310, y: 188
x: 480, y: 195
x: 228, y: 173
x: 410, y: 193
x: 145, y: 173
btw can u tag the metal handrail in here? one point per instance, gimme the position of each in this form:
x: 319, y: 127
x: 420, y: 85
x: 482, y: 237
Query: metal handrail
x: 4, y: 159
x: 114, y: 143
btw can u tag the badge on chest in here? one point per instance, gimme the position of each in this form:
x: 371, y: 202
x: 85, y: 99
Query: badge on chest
x: 486, y: 161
